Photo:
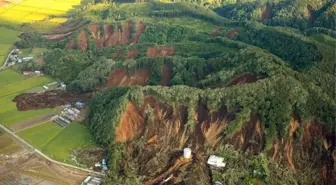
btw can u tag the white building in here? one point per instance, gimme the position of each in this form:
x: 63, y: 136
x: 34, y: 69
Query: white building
x: 91, y: 181
x: 216, y: 161
x: 26, y: 59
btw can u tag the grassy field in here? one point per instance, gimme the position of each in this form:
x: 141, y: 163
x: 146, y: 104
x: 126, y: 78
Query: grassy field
x: 7, y: 39
x: 40, y: 135
x: 13, y: 116
x: 12, y: 83
x: 73, y: 136
x: 21, y: 85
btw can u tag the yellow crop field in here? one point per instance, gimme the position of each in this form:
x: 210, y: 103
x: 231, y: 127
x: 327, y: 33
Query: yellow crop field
x: 16, y: 12
x: 33, y: 10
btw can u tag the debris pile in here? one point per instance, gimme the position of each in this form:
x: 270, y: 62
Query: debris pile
x: 48, y: 99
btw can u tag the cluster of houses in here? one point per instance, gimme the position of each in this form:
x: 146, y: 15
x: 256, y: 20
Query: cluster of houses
x: 68, y: 115
x: 15, y: 58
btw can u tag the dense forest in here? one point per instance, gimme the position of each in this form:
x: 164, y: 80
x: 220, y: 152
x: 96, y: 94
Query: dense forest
x: 250, y: 80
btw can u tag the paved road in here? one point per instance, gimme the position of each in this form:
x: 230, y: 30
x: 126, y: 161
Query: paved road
x: 46, y: 157
x: 4, y: 65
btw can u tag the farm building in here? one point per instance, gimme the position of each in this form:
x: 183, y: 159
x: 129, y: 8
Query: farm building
x: 91, y: 181
x: 80, y: 104
x: 26, y: 59
x: 216, y: 161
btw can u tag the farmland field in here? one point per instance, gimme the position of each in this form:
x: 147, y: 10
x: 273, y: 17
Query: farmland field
x: 40, y: 135
x: 13, y: 116
x: 24, y: 11
x: 48, y: 137
x: 34, y: 10
x: 12, y: 83
x: 7, y: 39
x: 73, y: 136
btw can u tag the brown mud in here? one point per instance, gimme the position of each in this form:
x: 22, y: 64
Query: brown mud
x: 163, y: 129
x: 160, y: 51
x: 121, y: 77
x: 167, y: 74
x: 132, y: 54
x: 267, y: 12
x: 48, y: 99
x: 58, y: 36
x: 117, y: 54
x: 243, y: 79
x: 233, y: 33
x: 83, y: 41
x: 140, y: 28
x: 70, y: 45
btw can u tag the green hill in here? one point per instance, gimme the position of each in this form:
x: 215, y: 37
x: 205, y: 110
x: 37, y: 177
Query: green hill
x: 251, y: 81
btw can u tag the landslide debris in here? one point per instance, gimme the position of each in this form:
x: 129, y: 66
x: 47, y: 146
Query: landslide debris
x: 48, y: 99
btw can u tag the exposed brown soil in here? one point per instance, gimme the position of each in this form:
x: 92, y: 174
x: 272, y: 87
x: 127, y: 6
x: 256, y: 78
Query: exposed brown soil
x: 215, y: 32
x: 120, y: 77
x: 267, y: 12
x: 233, y: 33
x: 167, y: 74
x: 83, y: 41
x: 160, y: 51
x: 163, y: 132
x: 70, y: 45
x: 131, y: 124
x: 95, y: 30
x: 71, y: 26
x: 128, y: 26
x: 140, y: 28
x: 48, y: 99
x: 119, y: 36
x: 117, y: 54
x: 39, y: 60
x: 312, y: 15
x: 243, y: 79
x: 180, y: 162
x: 26, y: 124
x: 132, y: 54
x: 57, y: 36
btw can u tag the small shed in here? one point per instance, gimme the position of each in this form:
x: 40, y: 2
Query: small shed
x: 104, y: 165
x: 80, y: 104
x: 26, y: 59
x: 216, y: 161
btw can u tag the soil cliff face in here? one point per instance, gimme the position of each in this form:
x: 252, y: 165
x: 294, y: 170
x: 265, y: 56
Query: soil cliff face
x: 164, y: 129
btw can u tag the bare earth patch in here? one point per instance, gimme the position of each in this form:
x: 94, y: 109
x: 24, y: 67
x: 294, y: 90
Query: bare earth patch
x: 83, y: 41
x: 120, y: 77
x: 131, y: 54
x: 160, y: 51
x: 70, y: 45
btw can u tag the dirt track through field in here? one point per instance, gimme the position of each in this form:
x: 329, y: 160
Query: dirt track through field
x: 30, y: 123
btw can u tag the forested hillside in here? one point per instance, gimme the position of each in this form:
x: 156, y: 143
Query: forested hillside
x: 252, y: 81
